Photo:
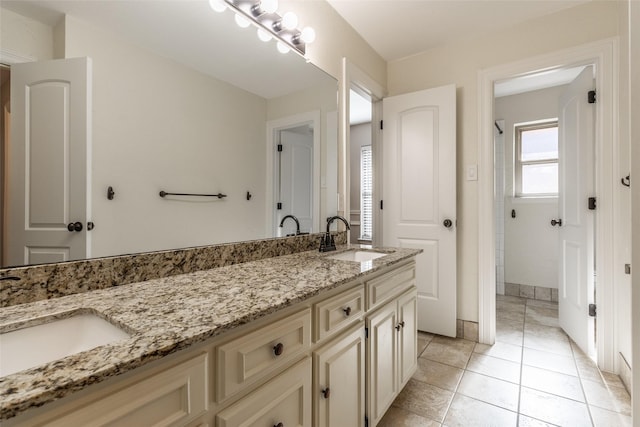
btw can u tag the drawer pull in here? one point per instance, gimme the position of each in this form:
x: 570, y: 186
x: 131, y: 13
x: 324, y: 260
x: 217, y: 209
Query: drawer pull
x: 347, y: 311
x: 278, y: 425
x: 278, y: 349
x: 326, y: 392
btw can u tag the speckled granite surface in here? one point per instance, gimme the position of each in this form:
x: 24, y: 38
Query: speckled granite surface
x: 169, y: 314
x: 41, y: 282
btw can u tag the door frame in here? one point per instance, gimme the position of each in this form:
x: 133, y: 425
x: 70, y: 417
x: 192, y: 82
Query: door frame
x: 273, y: 127
x: 604, y: 55
x: 355, y: 77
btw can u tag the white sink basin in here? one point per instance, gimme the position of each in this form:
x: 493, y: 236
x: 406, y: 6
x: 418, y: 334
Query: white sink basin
x: 36, y: 345
x: 357, y: 256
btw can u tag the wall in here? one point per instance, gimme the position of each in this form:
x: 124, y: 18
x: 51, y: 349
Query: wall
x: 360, y: 136
x: 459, y: 63
x: 193, y: 135
x: 531, y: 243
x: 25, y: 36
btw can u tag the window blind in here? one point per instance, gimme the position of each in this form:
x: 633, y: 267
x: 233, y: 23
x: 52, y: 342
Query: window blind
x: 366, y: 193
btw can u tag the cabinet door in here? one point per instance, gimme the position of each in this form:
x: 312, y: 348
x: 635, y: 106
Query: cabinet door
x: 339, y: 380
x: 408, y: 336
x: 382, y: 364
x: 285, y: 400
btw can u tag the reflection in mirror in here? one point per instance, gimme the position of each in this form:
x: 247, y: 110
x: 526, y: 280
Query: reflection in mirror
x: 154, y: 96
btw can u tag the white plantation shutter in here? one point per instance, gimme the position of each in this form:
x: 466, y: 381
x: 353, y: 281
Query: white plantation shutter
x: 366, y: 194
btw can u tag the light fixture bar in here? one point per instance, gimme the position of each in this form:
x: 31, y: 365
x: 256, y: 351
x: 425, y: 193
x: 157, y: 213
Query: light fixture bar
x: 270, y: 22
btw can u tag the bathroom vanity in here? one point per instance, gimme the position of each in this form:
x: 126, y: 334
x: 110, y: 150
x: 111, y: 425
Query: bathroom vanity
x: 295, y: 340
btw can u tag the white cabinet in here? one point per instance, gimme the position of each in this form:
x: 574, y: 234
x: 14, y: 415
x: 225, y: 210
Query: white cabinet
x: 391, y: 352
x: 339, y: 380
x: 285, y: 401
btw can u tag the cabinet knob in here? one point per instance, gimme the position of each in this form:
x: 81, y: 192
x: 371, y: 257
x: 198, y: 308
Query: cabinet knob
x: 347, y: 311
x: 74, y: 226
x: 278, y: 349
x: 555, y: 222
x: 326, y: 392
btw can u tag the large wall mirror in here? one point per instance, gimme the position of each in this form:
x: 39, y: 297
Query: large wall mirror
x: 181, y: 100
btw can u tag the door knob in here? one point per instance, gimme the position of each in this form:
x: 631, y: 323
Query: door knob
x: 556, y: 222
x: 447, y: 223
x: 74, y: 226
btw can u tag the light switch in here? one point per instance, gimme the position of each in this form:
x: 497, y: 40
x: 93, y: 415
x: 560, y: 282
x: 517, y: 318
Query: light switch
x: 472, y: 172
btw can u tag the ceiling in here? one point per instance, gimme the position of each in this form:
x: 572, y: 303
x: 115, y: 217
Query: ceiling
x: 540, y: 80
x: 400, y: 28
x: 191, y: 33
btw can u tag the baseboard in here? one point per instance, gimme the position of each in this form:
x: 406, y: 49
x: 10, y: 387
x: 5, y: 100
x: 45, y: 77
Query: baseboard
x: 625, y: 373
x: 467, y: 330
x: 541, y: 293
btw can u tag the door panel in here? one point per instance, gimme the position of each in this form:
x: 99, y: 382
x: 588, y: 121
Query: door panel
x: 419, y: 193
x: 576, y: 235
x: 49, y: 159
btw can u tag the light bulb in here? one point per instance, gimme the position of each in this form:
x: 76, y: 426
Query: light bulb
x: 269, y: 6
x: 218, y: 5
x: 308, y: 35
x: 289, y: 21
x: 282, y: 47
x: 264, y: 35
x: 242, y: 21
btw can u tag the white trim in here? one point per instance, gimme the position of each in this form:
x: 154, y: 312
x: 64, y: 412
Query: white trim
x: 604, y: 55
x: 273, y: 126
x: 353, y: 76
x: 8, y: 56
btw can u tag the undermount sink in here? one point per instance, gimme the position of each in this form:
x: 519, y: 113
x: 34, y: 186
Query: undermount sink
x: 357, y: 256
x: 35, y: 345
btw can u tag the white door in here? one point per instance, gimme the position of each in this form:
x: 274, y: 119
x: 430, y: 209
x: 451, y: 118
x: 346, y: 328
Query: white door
x: 576, y: 185
x: 295, y: 179
x: 49, y: 156
x: 419, y: 196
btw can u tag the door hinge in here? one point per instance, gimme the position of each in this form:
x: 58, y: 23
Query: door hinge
x: 279, y: 147
x: 381, y: 124
x: 592, y: 203
x: 381, y: 205
x: 366, y: 333
x: 627, y: 269
x: 279, y: 205
x: 592, y: 310
x: 591, y: 97
x: 366, y: 421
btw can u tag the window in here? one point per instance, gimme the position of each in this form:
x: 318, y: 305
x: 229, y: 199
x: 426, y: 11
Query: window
x: 536, y: 159
x: 366, y: 194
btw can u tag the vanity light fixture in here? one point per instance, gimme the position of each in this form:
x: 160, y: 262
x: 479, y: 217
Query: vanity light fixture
x: 263, y: 14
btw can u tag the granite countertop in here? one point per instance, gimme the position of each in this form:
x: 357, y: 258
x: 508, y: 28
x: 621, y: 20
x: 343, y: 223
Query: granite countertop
x: 169, y: 314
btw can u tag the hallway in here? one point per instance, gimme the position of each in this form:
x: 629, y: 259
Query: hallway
x: 533, y: 376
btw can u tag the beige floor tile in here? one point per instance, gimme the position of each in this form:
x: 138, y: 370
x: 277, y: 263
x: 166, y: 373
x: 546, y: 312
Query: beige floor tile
x: 494, y: 367
x: 449, y: 351
x: 524, y: 421
x: 468, y: 412
x: 509, y: 332
x: 510, y: 306
x: 543, y: 304
x: 552, y: 382
x: 551, y: 361
x: 422, y: 344
x: 490, y: 390
x: 510, y: 316
x: 398, y: 417
x: 544, y: 331
x: 438, y: 374
x: 612, y: 398
x: 604, y: 418
x: 540, y: 319
x: 511, y: 298
x: 550, y: 344
x: 589, y: 371
x: 500, y: 350
x: 612, y: 380
x: 553, y: 409
x: 424, y: 399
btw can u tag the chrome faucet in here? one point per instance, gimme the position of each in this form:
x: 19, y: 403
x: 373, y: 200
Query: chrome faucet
x: 293, y: 218
x: 327, y: 243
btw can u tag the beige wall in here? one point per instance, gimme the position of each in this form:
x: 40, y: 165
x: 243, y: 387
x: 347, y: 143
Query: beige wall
x: 459, y: 63
x: 25, y: 36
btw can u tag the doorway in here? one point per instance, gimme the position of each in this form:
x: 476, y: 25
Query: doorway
x: 602, y: 55
x: 529, y: 167
x: 5, y: 119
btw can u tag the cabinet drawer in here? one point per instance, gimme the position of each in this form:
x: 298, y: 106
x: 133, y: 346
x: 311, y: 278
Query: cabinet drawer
x: 172, y: 397
x: 252, y: 356
x: 336, y: 313
x: 390, y: 284
x: 285, y: 399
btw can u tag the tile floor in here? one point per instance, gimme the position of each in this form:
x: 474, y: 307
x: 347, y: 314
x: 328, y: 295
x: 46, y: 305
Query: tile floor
x: 533, y: 376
